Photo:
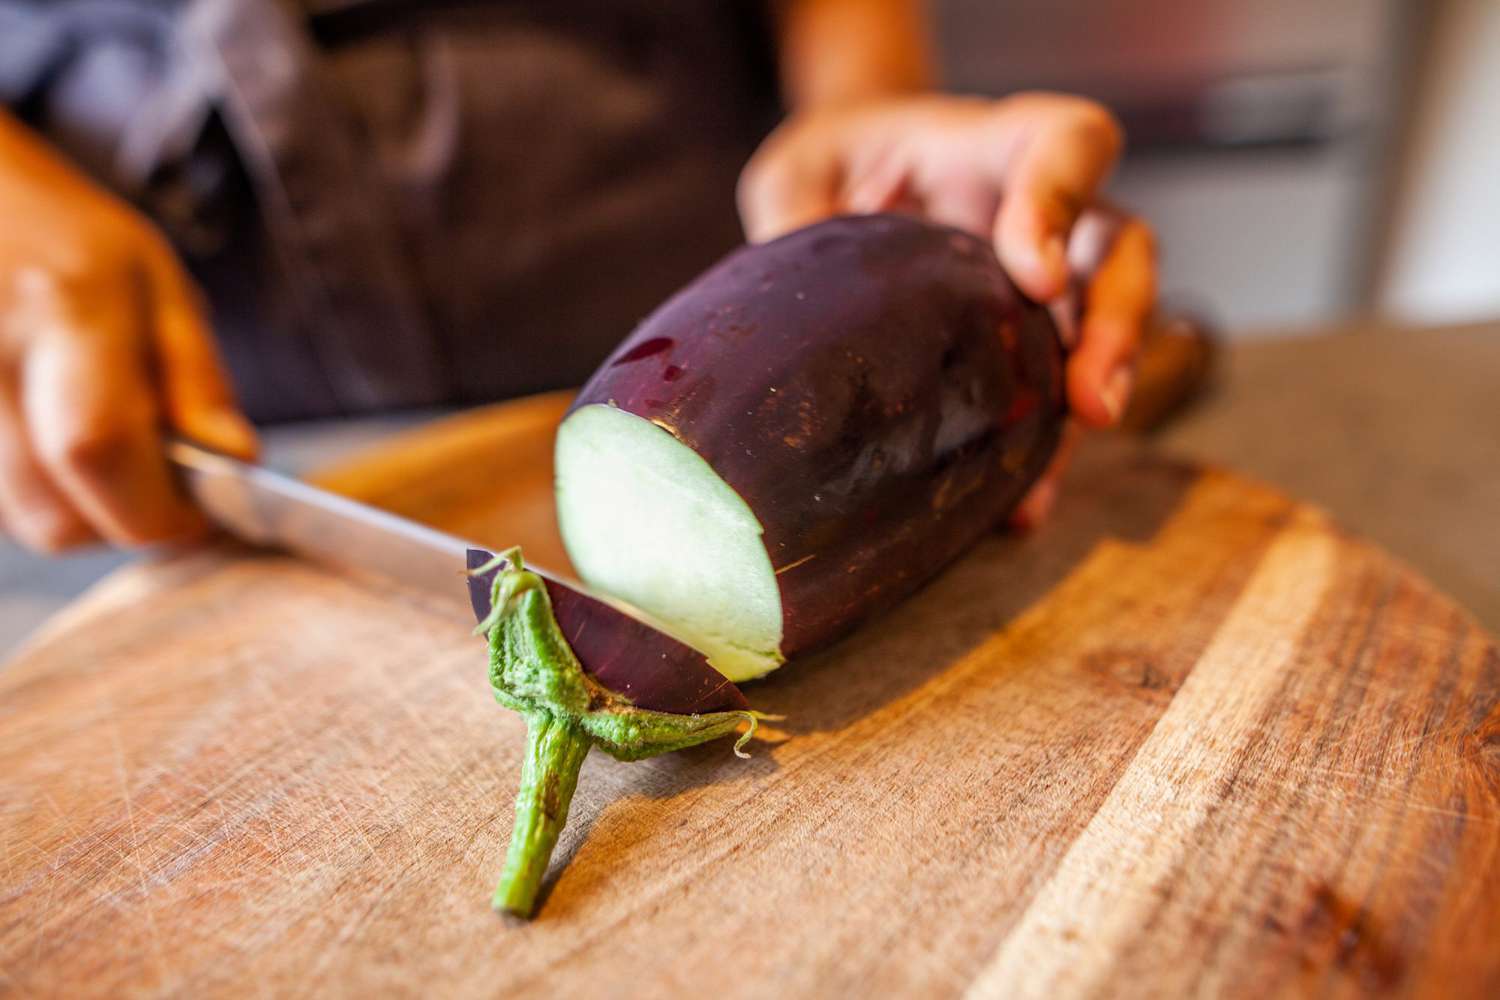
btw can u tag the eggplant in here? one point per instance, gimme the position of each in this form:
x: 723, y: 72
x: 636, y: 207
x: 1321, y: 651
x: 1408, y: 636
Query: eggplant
x: 794, y: 442
x: 807, y: 433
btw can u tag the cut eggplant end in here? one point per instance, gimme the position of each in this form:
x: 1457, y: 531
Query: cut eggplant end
x: 647, y: 520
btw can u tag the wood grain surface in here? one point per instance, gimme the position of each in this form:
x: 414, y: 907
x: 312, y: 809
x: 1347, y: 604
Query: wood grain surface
x: 1190, y: 738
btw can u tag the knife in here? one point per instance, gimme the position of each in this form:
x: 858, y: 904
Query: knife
x: 619, y: 645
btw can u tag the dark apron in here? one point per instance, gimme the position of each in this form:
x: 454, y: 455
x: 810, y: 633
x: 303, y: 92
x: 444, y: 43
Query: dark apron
x: 396, y: 204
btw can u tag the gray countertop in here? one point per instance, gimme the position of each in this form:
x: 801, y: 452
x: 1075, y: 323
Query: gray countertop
x: 1396, y: 432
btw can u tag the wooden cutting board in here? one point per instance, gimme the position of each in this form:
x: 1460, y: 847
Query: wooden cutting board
x: 1189, y: 737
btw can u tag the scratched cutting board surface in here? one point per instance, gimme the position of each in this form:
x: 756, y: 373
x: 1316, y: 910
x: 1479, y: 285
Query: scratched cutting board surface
x: 1188, y: 738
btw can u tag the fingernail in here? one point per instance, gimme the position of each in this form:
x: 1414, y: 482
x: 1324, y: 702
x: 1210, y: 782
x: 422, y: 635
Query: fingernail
x: 873, y: 194
x: 1043, y: 499
x: 864, y: 199
x: 1049, y: 267
x: 1116, y: 392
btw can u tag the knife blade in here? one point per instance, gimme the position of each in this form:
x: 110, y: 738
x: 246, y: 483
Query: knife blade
x: 619, y: 645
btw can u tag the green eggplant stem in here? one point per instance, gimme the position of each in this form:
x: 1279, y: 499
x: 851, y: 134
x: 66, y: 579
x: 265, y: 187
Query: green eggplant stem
x: 555, y: 749
x: 533, y: 671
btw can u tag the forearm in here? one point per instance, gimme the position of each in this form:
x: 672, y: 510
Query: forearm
x: 842, y: 51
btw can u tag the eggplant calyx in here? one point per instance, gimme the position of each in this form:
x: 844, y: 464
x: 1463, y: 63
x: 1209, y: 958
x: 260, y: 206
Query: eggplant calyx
x: 534, y: 672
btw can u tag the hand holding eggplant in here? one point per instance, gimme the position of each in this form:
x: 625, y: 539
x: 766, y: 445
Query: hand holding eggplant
x: 1024, y: 172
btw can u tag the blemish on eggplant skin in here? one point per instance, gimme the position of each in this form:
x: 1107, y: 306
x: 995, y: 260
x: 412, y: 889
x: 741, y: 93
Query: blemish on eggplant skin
x: 1013, y: 459
x: 644, y: 349
x: 669, y: 428
x: 800, y: 562
x: 1008, y: 336
x: 1021, y: 406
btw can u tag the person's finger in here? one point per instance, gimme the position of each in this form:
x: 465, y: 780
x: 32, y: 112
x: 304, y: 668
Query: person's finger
x: 33, y: 511
x: 874, y: 183
x: 1093, y: 237
x: 963, y: 203
x: 197, y: 396
x: 1118, y: 301
x: 1089, y: 244
x: 94, y: 425
x: 1070, y: 148
x: 1037, y: 505
x: 785, y: 186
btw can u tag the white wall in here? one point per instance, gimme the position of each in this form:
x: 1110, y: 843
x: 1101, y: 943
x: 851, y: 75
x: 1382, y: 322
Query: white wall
x: 1255, y: 242
x: 1443, y: 260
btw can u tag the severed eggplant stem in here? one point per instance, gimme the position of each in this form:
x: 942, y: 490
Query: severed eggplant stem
x: 555, y: 749
x: 534, y: 672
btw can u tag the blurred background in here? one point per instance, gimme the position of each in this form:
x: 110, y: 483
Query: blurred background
x: 1303, y: 163
x: 1318, y: 172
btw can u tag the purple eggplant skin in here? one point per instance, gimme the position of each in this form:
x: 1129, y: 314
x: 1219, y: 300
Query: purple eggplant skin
x: 607, y: 644
x: 874, y: 387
